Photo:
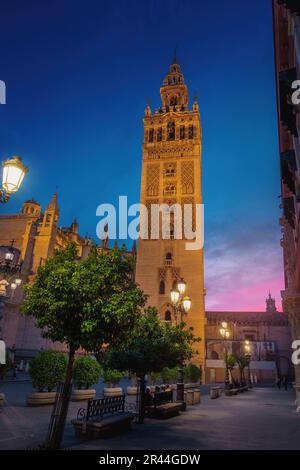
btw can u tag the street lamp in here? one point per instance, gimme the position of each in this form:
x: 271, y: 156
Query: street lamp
x: 247, y: 348
x: 8, y: 277
x: 225, y: 333
x: 13, y: 174
x: 182, y: 305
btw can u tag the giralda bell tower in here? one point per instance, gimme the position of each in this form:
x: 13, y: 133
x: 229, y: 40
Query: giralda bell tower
x: 171, y: 174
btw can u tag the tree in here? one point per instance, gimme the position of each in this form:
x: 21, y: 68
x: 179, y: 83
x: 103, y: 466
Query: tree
x: 85, y: 304
x: 47, y: 370
x: 86, y: 371
x: 152, y: 346
x: 192, y: 373
x: 231, y: 363
x: 242, y: 362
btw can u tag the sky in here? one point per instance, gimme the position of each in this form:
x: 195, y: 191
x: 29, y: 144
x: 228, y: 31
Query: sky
x: 78, y: 76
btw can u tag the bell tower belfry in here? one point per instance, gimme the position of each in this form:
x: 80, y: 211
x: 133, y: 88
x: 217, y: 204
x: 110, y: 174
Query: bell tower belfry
x: 171, y: 174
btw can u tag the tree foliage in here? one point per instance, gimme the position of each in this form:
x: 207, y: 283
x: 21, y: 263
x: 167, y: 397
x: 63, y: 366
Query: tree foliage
x: 88, y: 303
x: 86, y: 371
x: 84, y: 303
x: 192, y: 373
x: 153, y: 345
x: 112, y: 376
x: 47, y: 370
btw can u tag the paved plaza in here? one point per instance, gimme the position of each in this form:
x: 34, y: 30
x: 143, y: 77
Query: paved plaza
x: 263, y: 418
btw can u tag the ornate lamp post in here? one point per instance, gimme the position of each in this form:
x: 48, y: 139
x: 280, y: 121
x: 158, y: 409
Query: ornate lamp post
x: 181, y: 305
x: 13, y: 175
x: 247, y: 348
x: 9, y: 276
x: 224, y: 332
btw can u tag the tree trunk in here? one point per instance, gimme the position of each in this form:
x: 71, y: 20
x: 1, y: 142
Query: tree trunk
x: 59, y: 426
x: 142, y: 400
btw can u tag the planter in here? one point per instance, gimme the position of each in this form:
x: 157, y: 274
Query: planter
x: 2, y: 398
x: 83, y: 394
x: 113, y: 391
x: 131, y: 390
x: 41, y: 398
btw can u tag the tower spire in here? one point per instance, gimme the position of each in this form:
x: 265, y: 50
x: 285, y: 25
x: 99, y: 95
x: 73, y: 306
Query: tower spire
x: 270, y: 304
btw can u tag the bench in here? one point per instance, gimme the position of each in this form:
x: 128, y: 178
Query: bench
x: 104, y: 417
x: 163, y: 406
x: 231, y: 392
x: 215, y: 392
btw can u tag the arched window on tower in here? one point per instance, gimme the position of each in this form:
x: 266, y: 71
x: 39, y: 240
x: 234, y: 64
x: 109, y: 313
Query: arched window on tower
x: 159, y: 134
x: 168, y: 316
x: 151, y: 135
x: 173, y: 100
x: 191, y: 132
x: 162, y: 287
x: 171, y: 130
x: 182, y: 132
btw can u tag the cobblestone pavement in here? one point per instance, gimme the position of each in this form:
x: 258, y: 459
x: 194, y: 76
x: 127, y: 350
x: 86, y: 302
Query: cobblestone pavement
x: 263, y: 418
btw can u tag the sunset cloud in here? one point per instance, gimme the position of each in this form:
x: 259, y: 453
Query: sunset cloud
x: 241, y: 267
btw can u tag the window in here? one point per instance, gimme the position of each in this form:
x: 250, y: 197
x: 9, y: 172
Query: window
x: 151, y: 135
x: 159, y: 134
x: 162, y: 287
x: 173, y: 101
x: 171, y: 130
x: 191, y: 132
x: 168, y: 259
x: 170, y: 189
x: 182, y: 132
x: 170, y: 170
x: 168, y: 316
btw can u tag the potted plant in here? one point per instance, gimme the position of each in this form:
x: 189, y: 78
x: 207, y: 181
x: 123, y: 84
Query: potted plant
x: 86, y: 372
x: 112, y: 378
x: 47, y: 370
x: 192, y: 378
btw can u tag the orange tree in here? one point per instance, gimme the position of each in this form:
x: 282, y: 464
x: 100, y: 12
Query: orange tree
x: 85, y: 304
x: 152, y: 346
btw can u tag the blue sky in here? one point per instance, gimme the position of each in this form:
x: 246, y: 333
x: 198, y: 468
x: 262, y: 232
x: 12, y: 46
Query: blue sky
x: 78, y: 76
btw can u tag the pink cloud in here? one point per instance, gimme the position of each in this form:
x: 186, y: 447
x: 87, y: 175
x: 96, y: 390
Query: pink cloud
x: 241, y: 269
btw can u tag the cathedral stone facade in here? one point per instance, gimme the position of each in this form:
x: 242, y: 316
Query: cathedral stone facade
x: 171, y: 174
x: 31, y: 236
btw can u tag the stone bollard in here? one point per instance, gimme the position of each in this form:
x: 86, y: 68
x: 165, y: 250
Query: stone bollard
x: 215, y: 392
x: 189, y: 397
x: 197, y: 397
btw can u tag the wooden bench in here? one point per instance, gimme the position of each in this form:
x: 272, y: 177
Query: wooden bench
x: 104, y: 417
x: 163, y: 406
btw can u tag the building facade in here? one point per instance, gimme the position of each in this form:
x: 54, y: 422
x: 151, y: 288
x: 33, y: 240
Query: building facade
x: 171, y: 174
x: 31, y: 237
x: 269, y: 337
x: 286, y: 16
